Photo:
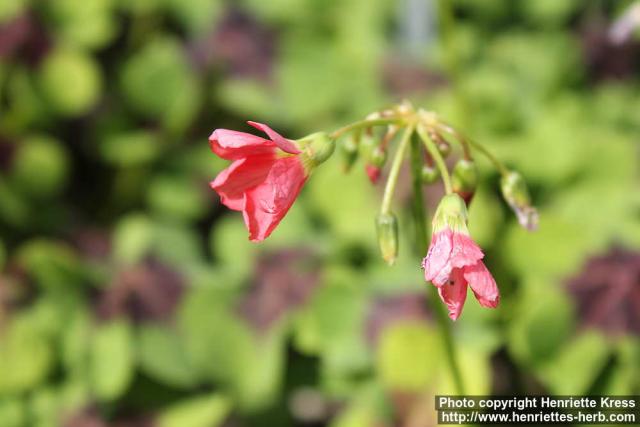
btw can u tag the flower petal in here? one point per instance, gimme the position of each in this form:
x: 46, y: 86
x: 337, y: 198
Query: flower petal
x: 436, y: 264
x: 465, y: 251
x: 267, y: 204
x: 283, y: 143
x: 454, y: 293
x: 242, y: 175
x: 233, y: 145
x: 482, y: 284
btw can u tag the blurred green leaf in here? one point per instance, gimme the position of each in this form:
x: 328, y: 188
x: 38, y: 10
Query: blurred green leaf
x: 133, y: 237
x: 71, y: 81
x: 355, y: 416
x: 179, y: 198
x: 131, y: 148
x: 75, y: 345
x: 341, y: 199
x: 9, y: 9
x: 556, y: 248
x: 13, y: 209
x: 227, y: 350
x: 162, y: 356
x: 47, y: 156
x: 408, y: 356
x: 90, y: 24
x: 542, y: 323
x: 53, y: 264
x: 576, y: 367
x: 549, y: 12
x: 12, y: 412
x: 196, y: 16
x: 25, y: 355
x: 159, y: 83
x: 229, y: 241
x: 44, y: 407
x: 203, y: 411
x: 26, y: 105
x: 112, y: 359
x: 177, y: 244
x: 249, y: 98
x: 485, y: 217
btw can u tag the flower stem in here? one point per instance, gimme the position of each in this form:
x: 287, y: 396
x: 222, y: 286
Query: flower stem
x: 493, y: 159
x: 422, y: 235
x: 477, y: 146
x: 433, y: 150
x: 363, y: 124
x: 395, y: 170
x: 419, y: 211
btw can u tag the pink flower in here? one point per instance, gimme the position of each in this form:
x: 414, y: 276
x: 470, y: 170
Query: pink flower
x: 264, y: 179
x: 454, y: 260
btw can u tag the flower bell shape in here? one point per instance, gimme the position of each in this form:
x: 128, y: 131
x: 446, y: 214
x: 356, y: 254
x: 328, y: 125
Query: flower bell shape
x: 266, y: 175
x: 454, y: 260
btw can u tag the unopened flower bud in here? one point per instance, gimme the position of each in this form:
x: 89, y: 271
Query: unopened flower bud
x: 373, y: 172
x: 378, y: 157
x: 444, y: 148
x: 442, y: 144
x: 387, y: 230
x: 429, y: 174
x: 515, y: 192
x: 317, y: 147
x: 349, y: 148
x: 464, y: 179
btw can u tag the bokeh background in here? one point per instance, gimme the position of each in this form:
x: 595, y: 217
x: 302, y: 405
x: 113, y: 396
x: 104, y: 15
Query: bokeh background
x: 130, y: 297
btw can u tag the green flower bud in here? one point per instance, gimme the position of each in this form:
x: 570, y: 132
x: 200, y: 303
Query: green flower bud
x: 444, y: 148
x: 317, y: 147
x: 387, y: 230
x: 349, y: 149
x: 378, y: 157
x: 515, y: 192
x: 464, y: 179
x: 429, y: 174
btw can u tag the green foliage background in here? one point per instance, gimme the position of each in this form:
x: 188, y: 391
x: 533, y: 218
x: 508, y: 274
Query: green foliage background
x: 130, y: 297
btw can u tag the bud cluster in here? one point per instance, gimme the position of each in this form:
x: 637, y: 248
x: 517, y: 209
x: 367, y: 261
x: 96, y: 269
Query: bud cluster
x: 459, y: 176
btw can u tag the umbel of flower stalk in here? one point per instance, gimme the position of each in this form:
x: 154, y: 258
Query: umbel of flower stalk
x: 266, y: 175
x: 454, y: 260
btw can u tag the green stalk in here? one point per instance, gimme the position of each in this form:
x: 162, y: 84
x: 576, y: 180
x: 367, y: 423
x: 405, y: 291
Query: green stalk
x: 433, y: 150
x: 493, y: 159
x: 395, y: 170
x: 422, y: 235
x: 363, y: 124
x: 476, y: 146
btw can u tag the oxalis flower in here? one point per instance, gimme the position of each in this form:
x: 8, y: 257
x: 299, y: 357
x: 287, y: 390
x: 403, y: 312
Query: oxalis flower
x: 454, y: 260
x: 266, y: 175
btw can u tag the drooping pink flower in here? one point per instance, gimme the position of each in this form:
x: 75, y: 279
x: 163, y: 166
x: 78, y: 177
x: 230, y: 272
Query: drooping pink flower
x: 264, y: 179
x: 454, y: 260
